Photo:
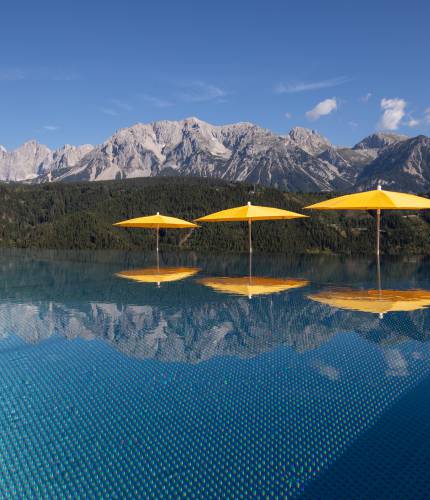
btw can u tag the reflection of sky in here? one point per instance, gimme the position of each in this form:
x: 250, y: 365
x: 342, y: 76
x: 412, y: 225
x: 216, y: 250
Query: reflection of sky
x: 113, y: 387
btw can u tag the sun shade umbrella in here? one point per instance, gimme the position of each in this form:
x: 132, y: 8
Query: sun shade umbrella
x: 374, y: 301
x: 377, y: 199
x: 249, y: 213
x: 156, y: 222
x: 249, y: 286
x: 158, y: 274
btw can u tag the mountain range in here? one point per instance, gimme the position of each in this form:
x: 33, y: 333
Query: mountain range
x: 302, y: 160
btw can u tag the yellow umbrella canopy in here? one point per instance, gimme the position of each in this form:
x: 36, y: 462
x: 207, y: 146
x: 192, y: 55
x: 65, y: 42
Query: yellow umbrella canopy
x: 377, y: 199
x: 158, y: 274
x: 249, y: 286
x: 156, y: 222
x: 250, y: 213
x: 374, y: 301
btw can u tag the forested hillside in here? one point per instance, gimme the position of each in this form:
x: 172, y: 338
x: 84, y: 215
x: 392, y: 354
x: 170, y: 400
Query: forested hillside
x: 80, y: 216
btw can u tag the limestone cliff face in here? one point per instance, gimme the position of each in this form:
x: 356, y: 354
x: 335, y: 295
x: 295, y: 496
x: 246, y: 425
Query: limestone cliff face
x: 303, y: 160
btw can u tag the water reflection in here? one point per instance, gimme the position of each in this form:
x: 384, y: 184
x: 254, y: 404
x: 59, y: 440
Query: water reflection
x: 158, y: 275
x: 252, y: 285
x: 80, y: 296
x: 314, y: 381
x: 374, y: 301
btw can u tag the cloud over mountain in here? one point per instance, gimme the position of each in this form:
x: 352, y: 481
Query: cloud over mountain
x: 322, y: 108
x: 393, y: 112
x: 293, y: 88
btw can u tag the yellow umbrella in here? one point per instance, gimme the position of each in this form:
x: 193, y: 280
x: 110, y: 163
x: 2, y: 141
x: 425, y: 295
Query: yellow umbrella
x: 374, y: 301
x: 158, y: 275
x: 249, y: 213
x: 377, y: 199
x: 249, y: 286
x: 155, y: 222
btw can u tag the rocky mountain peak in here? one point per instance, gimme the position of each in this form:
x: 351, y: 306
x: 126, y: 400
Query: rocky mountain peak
x: 25, y: 162
x: 379, y: 140
x: 403, y: 165
x: 194, y: 121
x: 309, y: 140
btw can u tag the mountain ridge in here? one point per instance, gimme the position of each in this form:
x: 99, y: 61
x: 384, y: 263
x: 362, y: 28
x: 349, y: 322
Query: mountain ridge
x: 302, y: 160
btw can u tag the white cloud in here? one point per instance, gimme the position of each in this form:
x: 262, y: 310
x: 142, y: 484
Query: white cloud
x: 156, y: 101
x: 322, y: 108
x: 412, y: 122
x: 366, y: 97
x: 353, y: 124
x: 51, y: 128
x: 394, y: 111
x: 199, y: 91
x: 121, y: 104
x: 109, y: 111
x: 288, y: 116
x: 293, y: 88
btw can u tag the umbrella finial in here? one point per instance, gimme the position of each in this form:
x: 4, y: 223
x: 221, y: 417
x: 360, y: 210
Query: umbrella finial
x: 249, y: 203
x: 158, y: 213
x: 379, y: 186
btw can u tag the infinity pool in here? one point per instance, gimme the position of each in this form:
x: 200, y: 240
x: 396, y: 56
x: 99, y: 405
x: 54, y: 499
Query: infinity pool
x: 120, y: 379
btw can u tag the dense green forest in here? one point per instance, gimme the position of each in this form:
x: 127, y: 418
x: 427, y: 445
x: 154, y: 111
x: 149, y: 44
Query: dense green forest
x: 80, y: 216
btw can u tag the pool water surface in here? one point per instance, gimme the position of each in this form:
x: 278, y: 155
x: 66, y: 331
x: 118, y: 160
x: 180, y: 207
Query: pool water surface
x: 310, y: 378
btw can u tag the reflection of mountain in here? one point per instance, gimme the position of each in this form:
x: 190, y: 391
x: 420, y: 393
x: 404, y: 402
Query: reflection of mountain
x: 195, y: 333
x: 183, y: 321
x: 236, y: 327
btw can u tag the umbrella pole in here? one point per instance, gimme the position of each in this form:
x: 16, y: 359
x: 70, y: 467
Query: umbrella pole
x: 378, y: 230
x: 249, y: 236
x: 158, y: 235
x: 378, y: 272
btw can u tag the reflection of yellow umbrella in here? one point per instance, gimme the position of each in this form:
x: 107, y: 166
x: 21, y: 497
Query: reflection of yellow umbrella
x: 250, y: 286
x: 249, y: 213
x: 378, y: 200
x: 374, y: 301
x: 158, y: 274
x: 156, y: 222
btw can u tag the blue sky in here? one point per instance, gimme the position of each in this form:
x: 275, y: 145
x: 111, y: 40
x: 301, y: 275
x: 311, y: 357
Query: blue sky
x: 76, y: 71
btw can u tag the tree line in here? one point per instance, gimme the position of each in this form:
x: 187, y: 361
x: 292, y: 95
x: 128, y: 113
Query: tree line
x: 80, y: 216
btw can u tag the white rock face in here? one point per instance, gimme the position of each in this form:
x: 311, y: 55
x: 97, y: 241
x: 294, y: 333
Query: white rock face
x: 303, y: 160
x: 24, y: 163
x: 240, y: 151
x: 68, y: 156
x: 309, y: 140
x: 379, y: 140
x: 33, y: 160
